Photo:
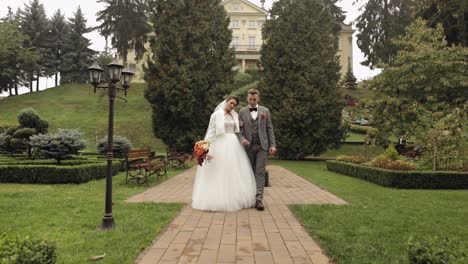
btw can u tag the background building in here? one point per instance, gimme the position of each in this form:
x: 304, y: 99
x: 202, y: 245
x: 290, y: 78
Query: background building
x: 247, y: 20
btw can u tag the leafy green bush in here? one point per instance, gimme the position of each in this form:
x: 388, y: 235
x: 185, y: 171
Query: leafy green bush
x: 59, y: 146
x: 241, y: 79
x: 402, y: 179
x: 384, y: 162
x: 121, y: 146
x: 28, y: 117
x: 363, y: 129
x: 437, y: 251
x: 391, y: 153
x: 30, y: 123
x: 25, y: 250
x: 255, y: 73
x: 352, y: 159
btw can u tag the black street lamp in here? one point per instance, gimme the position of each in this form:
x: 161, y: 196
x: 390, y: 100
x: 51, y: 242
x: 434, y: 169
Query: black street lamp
x: 116, y: 71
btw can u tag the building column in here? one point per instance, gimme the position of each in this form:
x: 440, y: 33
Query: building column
x: 243, y: 65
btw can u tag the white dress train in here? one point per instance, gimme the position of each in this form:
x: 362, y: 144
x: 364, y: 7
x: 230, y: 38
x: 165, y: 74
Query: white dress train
x: 227, y: 182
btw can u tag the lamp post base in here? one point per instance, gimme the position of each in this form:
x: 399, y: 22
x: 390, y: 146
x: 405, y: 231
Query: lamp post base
x: 107, y: 222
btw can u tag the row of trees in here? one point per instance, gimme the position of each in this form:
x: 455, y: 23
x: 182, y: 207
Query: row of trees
x: 191, y: 71
x: 382, y: 21
x: 33, y: 46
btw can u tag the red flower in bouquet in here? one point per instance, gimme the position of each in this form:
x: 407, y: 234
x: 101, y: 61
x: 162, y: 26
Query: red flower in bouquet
x: 200, y: 150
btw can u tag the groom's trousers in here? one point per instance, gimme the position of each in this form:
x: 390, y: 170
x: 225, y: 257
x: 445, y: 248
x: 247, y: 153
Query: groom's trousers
x: 258, y: 159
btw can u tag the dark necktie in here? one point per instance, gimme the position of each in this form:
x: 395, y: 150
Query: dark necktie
x: 253, y: 109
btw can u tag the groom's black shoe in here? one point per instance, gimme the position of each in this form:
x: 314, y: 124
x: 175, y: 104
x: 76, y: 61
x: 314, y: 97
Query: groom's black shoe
x: 259, y: 205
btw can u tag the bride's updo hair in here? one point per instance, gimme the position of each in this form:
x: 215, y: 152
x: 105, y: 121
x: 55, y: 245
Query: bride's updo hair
x: 230, y: 97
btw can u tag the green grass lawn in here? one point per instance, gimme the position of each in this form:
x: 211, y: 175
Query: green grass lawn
x: 70, y: 215
x: 376, y: 225
x: 75, y: 106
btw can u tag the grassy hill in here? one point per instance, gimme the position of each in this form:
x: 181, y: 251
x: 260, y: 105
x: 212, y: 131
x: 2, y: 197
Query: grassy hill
x: 75, y: 106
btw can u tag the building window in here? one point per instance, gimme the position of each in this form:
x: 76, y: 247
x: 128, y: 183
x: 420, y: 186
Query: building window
x: 252, y: 42
x: 235, y: 42
x: 132, y: 66
x: 252, y: 24
x: 235, y: 24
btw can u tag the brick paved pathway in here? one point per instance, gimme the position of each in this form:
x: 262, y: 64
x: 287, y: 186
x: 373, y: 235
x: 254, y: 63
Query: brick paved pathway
x: 246, y: 236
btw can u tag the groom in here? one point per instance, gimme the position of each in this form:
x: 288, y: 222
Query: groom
x: 256, y: 134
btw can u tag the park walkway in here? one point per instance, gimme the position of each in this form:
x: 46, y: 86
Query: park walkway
x: 246, y: 236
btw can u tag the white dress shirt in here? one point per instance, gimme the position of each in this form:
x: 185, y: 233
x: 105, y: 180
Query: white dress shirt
x: 254, y: 114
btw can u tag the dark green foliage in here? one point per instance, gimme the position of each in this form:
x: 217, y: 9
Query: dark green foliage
x: 242, y: 79
x: 190, y: 70
x: 77, y: 54
x: 59, y: 146
x: 30, y: 118
x: 255, y: 73
x: 349, y: 81
x: 380, y: 22
x: 362, y: 129
x: 437, y: 250
x: 58, y: 28
x: 453, y: 15
x: 16, y: 57
x: 52, y: 174
x: 126, y: 22
x: 301, y: 76
x: 120, y: 147
x: 402, y: 179
x: 35, y: 25
x: 16, y: 139
x: 26, y: 250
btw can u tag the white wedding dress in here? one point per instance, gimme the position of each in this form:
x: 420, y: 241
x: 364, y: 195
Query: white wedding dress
x: 227, y: 182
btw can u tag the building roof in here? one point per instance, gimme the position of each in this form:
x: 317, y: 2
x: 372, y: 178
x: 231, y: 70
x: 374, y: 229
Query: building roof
x: 262, y: 10
x: 347, y: 28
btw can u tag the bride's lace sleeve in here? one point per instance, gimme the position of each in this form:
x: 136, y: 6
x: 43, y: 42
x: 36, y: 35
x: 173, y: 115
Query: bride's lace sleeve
x: 211, y: 131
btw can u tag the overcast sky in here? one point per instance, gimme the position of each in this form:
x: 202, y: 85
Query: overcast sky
x: 90, y: 8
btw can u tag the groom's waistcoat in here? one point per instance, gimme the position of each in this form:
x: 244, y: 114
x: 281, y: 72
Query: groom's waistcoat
x: 255, y: 136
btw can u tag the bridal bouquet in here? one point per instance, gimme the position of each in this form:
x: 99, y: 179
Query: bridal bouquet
x: 200, y: 150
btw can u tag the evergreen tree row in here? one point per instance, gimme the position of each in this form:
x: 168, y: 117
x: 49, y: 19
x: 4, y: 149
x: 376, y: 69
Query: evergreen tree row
x: 34, y: 46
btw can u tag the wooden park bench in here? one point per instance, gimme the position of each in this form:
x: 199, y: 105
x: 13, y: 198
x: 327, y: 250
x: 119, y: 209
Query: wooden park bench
x: 177, y: 159
x: 140, y: 164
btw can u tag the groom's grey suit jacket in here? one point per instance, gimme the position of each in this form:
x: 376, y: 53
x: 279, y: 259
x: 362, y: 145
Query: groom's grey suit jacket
x: 265, y: 127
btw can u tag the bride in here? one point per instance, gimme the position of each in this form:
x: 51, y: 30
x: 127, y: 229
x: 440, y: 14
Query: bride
x: 225, y: 181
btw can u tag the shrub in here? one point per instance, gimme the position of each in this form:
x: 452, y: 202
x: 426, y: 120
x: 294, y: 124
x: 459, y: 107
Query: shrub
x: 402, y: 179
x: 121, y: 146
x: 363, y: 129
x: 255, y: 73
x: 53, y: 174
x: 59, y: 146
x: 16, y: 250
x: 383, y: 162
x: 437, y: 251
x: 352, y: 159
x: 391, y: 153
x: 28, y: 117
x: 242, y: 79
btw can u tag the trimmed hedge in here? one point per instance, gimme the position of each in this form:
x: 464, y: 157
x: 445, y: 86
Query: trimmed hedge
x: 52, y: 174
x: 16, y: 250
x: 362, y: 129
x: 49, y: 162
x: 402, y: 179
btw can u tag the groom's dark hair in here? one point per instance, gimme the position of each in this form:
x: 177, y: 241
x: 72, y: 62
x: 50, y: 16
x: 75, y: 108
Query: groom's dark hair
x: 253, y: 91
x: 232, y: 97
